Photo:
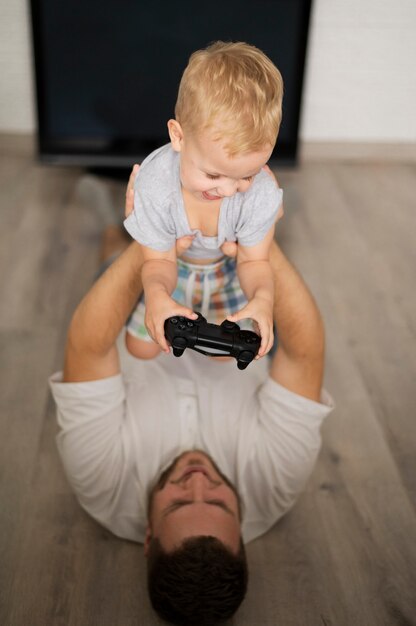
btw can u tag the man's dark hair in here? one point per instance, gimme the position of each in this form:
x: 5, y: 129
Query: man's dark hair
x: 201, y: 583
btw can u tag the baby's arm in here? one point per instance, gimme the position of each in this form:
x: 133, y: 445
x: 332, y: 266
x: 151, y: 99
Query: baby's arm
x: 256, y: 280
x: 159, y: 278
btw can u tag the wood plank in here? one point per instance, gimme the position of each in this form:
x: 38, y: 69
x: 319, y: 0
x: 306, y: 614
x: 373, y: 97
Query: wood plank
x: 35, y: 305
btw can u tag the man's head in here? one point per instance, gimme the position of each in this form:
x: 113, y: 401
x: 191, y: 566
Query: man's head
x: 228, y: 114
x: 196, y: 562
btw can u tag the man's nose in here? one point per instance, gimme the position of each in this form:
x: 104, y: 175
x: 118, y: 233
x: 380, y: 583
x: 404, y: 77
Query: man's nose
x: 197, y: 484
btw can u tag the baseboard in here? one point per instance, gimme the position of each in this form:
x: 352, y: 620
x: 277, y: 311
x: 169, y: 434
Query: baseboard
x: 18, y: 144
x: 356, y: 151
x: 25, y: 144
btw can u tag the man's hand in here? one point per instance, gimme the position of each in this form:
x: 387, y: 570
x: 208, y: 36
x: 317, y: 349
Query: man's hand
x: 229, y: 248
x: 160, y: 306
x: 129, y: 206
x: 260, y: 310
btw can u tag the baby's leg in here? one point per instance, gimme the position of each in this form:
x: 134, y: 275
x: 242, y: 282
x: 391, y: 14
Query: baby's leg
x: 138, y: 341
x: 141, y: 349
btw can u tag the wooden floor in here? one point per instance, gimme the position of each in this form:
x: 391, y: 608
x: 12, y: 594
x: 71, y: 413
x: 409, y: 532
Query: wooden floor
x: 346, y: 554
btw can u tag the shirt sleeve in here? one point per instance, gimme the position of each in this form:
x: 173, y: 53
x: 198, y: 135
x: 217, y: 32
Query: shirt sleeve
x: 259, y: 210
x: 93, y: 446
x: 151, y: 222
x: 284, y: 447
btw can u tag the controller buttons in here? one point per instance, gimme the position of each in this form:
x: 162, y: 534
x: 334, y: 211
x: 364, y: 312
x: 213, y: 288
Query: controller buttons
x: 249, y: 337
x: 189, y: 324
x: 174, y: 320
x: 228, y: 325
x: 181, y: 326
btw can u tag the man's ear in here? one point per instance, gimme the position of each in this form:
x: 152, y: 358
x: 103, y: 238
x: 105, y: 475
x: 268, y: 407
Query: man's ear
x: 175, y: 134
x: 147, y: 540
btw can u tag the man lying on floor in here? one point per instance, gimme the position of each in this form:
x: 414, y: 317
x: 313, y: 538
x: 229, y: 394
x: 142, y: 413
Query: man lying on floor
x: 189, y: 456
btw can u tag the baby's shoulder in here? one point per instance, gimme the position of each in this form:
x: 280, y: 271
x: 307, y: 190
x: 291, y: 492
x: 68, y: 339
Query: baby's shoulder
x: 262, y: 197
x: 263, y: 186
x: 158, y: 174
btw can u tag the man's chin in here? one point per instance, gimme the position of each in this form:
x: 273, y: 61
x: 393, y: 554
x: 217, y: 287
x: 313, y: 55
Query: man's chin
x: 194, y: 457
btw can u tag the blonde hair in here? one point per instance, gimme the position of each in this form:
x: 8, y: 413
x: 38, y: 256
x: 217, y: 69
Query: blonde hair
x: 235, y: 89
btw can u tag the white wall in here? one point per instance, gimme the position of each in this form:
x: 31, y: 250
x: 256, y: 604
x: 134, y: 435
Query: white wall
x: 361, y: 72
x: 17, y: 108
x: 360, y: 78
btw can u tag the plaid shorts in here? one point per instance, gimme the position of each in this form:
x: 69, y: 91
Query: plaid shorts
x: 212, y: 290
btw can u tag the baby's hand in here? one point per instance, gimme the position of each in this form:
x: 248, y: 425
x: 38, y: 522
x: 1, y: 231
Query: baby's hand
x: 261, y: 311
x: 159, y: 307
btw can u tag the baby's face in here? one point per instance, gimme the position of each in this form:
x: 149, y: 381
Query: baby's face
x: 209, y: 174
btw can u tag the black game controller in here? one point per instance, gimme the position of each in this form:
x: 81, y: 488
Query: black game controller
x: 227, y: 338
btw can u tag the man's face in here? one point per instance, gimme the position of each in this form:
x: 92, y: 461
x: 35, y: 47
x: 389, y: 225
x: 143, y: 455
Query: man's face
x: 194, y: 499
x: 208, y: 173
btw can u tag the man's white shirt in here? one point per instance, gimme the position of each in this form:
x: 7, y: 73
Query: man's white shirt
x: 118, y: 434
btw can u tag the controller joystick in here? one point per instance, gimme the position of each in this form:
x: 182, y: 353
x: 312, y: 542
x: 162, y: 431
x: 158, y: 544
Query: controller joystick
x: 178, y: 346
x: 227, y: 339
x: 227, y: 325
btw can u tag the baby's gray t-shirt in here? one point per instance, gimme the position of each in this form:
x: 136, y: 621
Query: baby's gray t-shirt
x: 159, y: 216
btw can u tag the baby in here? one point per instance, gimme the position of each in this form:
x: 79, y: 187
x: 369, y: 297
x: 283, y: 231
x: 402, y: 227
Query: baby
x: 209, y: 183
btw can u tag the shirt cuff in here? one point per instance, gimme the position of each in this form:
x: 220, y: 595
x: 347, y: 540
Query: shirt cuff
x: 293, y: 400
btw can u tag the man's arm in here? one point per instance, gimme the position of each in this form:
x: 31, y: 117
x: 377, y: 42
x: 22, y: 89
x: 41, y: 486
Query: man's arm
x: 299, y: 360
x: 91, y: 352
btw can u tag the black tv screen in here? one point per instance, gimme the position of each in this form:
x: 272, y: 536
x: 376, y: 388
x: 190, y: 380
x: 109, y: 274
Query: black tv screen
x: 107, y: 73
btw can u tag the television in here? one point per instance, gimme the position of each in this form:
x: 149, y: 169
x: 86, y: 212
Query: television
x: 107, y: 73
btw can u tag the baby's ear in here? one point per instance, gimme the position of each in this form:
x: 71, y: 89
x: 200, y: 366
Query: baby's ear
x: 175, y: 134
